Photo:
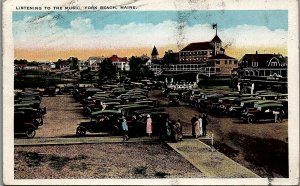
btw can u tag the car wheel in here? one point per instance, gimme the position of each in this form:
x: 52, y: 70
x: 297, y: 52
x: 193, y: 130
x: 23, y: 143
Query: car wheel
x: 250, y: 119
x: 30, y: 132
x: 233, y: 114
x: 80, y: 131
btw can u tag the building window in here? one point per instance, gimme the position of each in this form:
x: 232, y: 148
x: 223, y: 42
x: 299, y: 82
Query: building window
x: 230, y: 62
x: 235, y: 62
x: 273, y: 64
x: 254, y: 64
x: 225, y: 62
x: 217, y: 69
x: 218, y: 62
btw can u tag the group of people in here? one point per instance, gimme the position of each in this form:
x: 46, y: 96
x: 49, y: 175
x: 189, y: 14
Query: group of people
x: 149, y: 127
x: 170, y: 130
x: 167, y: 130
x: 199, y: 124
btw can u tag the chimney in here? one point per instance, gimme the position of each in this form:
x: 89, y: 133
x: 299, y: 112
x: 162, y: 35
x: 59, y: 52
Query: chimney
x: 256, y: 52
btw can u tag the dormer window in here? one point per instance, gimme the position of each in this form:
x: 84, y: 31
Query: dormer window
x: 254, y: 63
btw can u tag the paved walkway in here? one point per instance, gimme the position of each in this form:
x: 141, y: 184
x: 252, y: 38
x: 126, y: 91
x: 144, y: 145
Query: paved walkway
x: 211, y: 164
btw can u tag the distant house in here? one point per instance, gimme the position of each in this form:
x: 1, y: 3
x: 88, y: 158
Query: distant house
x: 52, y: 65
x: 120, y: 63
x: 224, y: 64
x: 264, y: 65
x: 44, y: 66
x: 94, y: 63
x: 64, y: 66
x: 171, y: 57
x: 19, y: 64
x: 82, y: 65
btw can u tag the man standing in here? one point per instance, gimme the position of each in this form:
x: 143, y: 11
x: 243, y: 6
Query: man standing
x: 193, y: 121
x: 204, y: 123
x: 125, y: 129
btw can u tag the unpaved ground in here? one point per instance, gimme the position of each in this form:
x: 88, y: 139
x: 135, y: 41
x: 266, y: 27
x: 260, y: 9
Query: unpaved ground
x: 63, y: 115
x: 110, y: 160
x: 263, y: 147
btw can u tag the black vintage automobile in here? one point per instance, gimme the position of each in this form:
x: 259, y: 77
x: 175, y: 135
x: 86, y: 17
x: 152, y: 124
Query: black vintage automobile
x: 265, y: 112
x: 101, y: 121
x: 50, y: 91
x: 23, y: 126
x: 32, y: 115
x: 156, y: 116
x: 173, y: 98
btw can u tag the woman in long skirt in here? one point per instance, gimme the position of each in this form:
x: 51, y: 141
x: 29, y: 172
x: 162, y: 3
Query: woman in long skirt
x: 200, y: 125
x: 149, y: 125
x: 197, y: 128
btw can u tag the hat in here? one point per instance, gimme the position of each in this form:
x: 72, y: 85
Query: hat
x: 148, y: 116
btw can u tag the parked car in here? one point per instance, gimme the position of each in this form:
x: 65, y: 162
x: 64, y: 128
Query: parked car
x: 173, y: 98
x: 237, y: 110
x: 101, y: 121
x: 265, y: 112
x: 50, y: 91
x: 22, y: 126
x: 142, y: 120
x: 224, y: 104
x: 32, y: 115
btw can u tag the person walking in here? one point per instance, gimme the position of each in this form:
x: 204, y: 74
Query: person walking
x: 193, y: 121
x: 204, y: 123
x: 197, y: 128
x: 149, y: 126
x: 125, y: 129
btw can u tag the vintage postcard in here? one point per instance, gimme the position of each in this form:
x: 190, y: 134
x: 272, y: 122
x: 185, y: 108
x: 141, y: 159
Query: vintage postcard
x: 149, y: 92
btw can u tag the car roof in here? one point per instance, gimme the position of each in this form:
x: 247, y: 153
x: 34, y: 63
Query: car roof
x: 250, y: 101
x: 104, y: 112
x: 173, y: 94
x: 266, y: 102
x: 230, y: 97
x: 271, y: 104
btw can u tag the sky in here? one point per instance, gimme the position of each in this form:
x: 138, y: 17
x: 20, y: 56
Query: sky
x: 53, y: 35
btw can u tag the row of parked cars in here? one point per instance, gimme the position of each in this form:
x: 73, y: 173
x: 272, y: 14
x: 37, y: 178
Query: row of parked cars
x: 250, y: 108
x: 106, y: 105
x: 28, y: 114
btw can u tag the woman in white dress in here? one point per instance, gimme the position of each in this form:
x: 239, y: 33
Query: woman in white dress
x: 200, y: 126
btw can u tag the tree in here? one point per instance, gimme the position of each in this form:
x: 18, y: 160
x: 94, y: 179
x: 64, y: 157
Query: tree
x: 57, y: 64
x: 73, y: 61
x: 138, y: 69
x: 107, y: 71
x: 21, y: 61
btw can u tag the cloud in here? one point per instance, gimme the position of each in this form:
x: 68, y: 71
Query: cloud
x: 31, y: 33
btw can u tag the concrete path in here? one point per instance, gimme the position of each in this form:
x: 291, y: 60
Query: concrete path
x: 211, y: 164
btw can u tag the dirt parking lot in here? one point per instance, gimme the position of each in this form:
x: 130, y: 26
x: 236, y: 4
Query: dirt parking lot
x: 263, y: 148
x: 63, y: 116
